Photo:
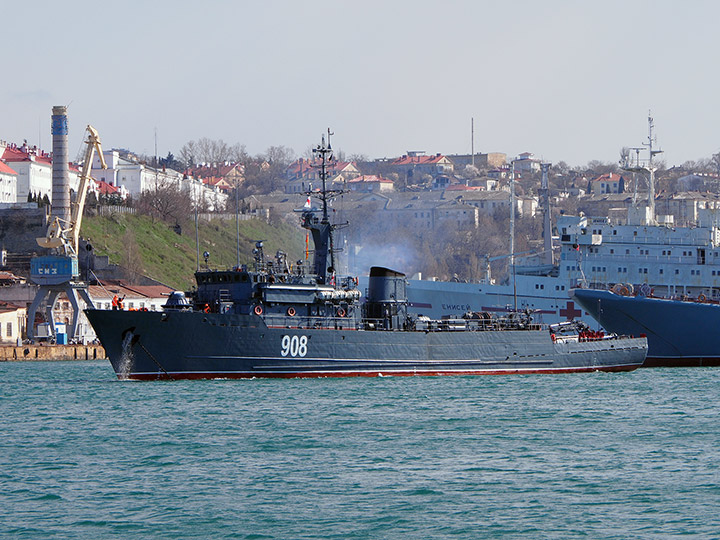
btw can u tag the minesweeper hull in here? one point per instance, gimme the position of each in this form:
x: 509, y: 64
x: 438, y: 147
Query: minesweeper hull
x: 194, y: 345
x: 679, y: 333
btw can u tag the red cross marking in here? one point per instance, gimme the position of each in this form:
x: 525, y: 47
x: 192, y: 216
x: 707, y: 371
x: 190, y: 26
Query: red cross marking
x: 570, y: 312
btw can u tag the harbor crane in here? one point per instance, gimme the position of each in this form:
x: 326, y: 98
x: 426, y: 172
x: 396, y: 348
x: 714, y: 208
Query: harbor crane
x: 59, y: 272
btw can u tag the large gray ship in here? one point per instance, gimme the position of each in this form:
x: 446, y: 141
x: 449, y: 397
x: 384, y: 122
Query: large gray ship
x: 302, y: 320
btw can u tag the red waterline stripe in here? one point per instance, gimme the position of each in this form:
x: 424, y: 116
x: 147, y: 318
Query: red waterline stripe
x: 408, y: 373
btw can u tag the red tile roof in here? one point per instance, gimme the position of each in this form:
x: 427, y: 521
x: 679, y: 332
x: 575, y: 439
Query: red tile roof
x: 5, y: 169
x: 106, y: 189
x: 463, y: 187
x: 301, y: 166
x: 120, y: 287
x: 370, y: 178
x: 610, y: 177
x: 414, y: 160
x: 6, y: 307
x: 9, y: 276
x: 206, y: 171
x: 220, y: 183
x: 23, y: 153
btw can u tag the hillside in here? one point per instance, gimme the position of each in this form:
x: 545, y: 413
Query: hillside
x: 156, y: 250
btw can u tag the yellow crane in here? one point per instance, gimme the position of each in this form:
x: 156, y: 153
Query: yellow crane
x: 59, y: 273
x: 65, y: 236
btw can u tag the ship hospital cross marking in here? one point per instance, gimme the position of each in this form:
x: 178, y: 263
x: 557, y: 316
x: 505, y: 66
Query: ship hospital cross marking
x: 570, y: 312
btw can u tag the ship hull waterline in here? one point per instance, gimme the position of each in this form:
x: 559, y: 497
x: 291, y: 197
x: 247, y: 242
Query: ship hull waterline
x: 195, y: 345
x: 679, y: 333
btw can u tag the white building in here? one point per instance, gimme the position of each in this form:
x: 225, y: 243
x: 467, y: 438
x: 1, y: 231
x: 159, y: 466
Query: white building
x: 12, y: 322
x: 34, y: 171
x: 8, y: 184
x: 137, y: 177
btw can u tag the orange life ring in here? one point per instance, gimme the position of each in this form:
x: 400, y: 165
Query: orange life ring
x: 552, y: 336
x: 291, y: 311
x: 258, y: 310
x: 702, y: 298
x: 340, y: 312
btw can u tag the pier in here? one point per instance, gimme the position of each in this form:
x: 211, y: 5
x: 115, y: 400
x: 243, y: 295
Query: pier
x: 44, y: 353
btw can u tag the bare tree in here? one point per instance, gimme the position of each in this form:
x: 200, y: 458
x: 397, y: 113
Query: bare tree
x: 164, y: 201
x: 132, y: 259
x: 189, y: 153
x: 206, y: 150
x: 715, y: 162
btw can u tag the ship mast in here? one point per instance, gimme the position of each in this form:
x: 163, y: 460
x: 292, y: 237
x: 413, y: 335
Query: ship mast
x: 547, y: 226
x: 322, y: 230
x: 512, y: 234
x: 648, y: 167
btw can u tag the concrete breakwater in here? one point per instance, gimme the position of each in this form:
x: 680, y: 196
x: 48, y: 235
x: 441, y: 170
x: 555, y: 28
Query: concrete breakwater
x: 44, y: 353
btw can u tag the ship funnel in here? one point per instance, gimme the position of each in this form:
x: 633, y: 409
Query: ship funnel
x: 60, y: 169
x: 386, y: 285
x: 387, y: 297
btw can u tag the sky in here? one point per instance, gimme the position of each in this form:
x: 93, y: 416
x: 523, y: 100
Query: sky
x: 566, y: 80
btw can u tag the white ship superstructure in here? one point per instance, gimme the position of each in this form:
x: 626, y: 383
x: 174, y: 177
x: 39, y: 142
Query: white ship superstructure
x: 645, y: 253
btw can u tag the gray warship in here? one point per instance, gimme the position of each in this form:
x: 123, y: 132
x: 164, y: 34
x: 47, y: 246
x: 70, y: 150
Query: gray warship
x: 302, y: 320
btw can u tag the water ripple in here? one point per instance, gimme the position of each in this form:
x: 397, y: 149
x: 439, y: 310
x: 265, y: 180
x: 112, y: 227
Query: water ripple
x: 598, y: 455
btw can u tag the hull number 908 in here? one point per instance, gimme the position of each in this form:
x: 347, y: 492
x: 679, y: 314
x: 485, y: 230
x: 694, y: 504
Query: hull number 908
x: 293, y: 346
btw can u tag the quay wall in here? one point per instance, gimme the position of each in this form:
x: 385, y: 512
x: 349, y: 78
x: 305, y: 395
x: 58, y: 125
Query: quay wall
x: 44, y: 353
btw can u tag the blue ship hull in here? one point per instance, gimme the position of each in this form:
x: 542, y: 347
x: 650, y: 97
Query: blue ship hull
x: 679, y: 333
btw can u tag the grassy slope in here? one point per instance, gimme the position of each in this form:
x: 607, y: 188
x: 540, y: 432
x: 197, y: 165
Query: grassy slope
x: 171, y: 258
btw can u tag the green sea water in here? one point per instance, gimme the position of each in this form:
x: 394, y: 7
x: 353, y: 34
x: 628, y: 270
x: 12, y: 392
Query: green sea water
x: 596, y: 455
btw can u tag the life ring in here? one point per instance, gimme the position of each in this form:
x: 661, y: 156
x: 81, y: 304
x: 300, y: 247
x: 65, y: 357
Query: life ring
x: 258, y: 310
x: 623, y: 290
x: 340, y: 312
x: 702, y: 297
x: 291, y: 311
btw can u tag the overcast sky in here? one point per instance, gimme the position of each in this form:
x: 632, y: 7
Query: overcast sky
x: 565, y: 80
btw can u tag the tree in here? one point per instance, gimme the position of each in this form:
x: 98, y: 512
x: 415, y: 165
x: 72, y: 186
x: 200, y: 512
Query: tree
x: 715, y: 162
x: 206, y: 150
x: 132, y: 259
x: 170, y: 162
x: 164, y: 201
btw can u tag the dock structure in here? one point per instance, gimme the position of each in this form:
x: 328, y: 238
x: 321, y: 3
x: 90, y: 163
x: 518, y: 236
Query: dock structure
x: 45, y: 353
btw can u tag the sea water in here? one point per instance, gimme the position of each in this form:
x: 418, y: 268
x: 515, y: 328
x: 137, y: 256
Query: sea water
x: 595, y: 455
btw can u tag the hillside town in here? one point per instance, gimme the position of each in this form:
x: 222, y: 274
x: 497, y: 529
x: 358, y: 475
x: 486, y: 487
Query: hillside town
x: 454, y: 209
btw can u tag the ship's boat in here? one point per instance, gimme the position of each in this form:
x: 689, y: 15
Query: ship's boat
x: 302, y: 320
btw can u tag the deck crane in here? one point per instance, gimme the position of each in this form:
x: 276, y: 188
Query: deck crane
x: 59, y: 272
